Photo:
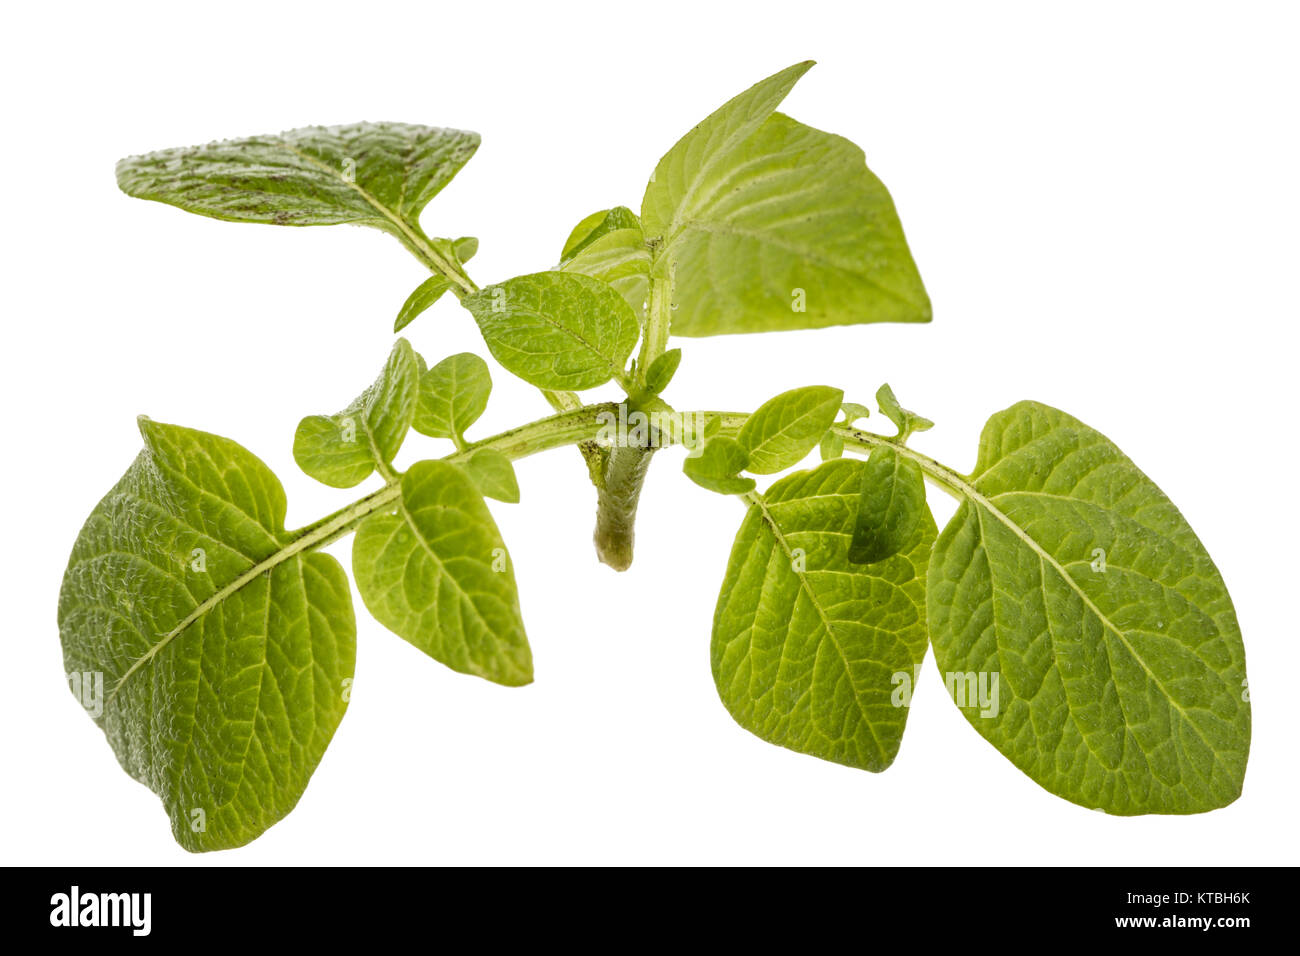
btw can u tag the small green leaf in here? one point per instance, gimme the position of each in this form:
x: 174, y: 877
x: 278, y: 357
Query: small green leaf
x: 436, y: 573
x: 556, y: 330
x: 1094, y: 640
x: 662, y: 370
x: 832, y: 446
x: 811, y: 651
x: 493, y: 475
x: 342, y: 450
x: 431, y: 289
x: 718, y: 466
x: 453, y: 394
x: 581, y: 231
x: 224, y: 650
x: 765, y: 224
x: 907, y: 422
x: 465, y: 248
x: 787, y: 427
x: 375, y: 174
x: 596, y: 225
x: 621, y: 259
x: 426, y: 294
x: 852, y: 412
x: 890, y: 506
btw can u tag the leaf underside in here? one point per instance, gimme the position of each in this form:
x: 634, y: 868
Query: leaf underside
x: 226, y: 717
x: 767, y: 224
x: 376, y: 174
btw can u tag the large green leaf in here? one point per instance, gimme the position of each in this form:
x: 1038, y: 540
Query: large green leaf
x: 435, y: 571
x: 785, y: 428
x: 375, y: 174
x: 811, y: 651
x: 342, y: 450
x: 555, y: 330
x: 224, y: 648
x: 1120, y: 671
x: 766, y: 224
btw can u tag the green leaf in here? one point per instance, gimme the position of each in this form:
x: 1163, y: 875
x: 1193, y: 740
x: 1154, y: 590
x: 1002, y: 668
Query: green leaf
x: 437, y: 574
x: 890, y: 506
x: 832, y: 446
x: 766, y: 224
x: 907, y: 422
x: 581, y: 231
x: 374, y: 174
x: 852, y: 412
x: 466, y: 247
x: 493, y: 475
x: 1120, y: 669
x: 787, y: 427
x: 342, y: 450
x: 453, y: 394
x: 431, y: 289
x: 555, y: 330
x: 811, y: 651
x: 717, y: 467
x: 662, y: 370
x: 224, y: 649
x: 426, y: 294
x: 596, y: 225
x: 621, y: 260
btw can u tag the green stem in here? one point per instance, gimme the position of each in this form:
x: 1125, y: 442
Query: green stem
x: 940, y: 475
x: 658, y: 324
x: 616, y: 503
x: 622, y: 477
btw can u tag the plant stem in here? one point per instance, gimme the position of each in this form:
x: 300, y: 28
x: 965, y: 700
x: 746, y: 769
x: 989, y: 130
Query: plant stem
x: 940, y: 475
x: 622, y: 475
x: 658, y: 323
x: 616, y: 503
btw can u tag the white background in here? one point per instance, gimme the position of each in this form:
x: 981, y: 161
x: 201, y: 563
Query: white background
x: 1102, y: 200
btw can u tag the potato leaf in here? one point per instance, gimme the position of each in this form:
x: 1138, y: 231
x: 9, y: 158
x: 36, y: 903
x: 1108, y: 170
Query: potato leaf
x: 811, y: 651
x: 785, y: 428
x: 435, y: 571
x: 1083, y: 628
x: 342, y: 450
x: 555, y: 330
x: 765, y: 224
x: 224, y: 649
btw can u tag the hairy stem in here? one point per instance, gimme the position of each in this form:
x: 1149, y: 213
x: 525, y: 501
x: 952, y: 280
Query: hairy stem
x: 658, y: 323
x: 940, y: 475
x: 616, y: 502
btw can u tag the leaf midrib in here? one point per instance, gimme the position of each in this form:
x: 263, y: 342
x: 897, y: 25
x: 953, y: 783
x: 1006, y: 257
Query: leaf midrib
x: 414, y: 236
x: 317, y: 536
